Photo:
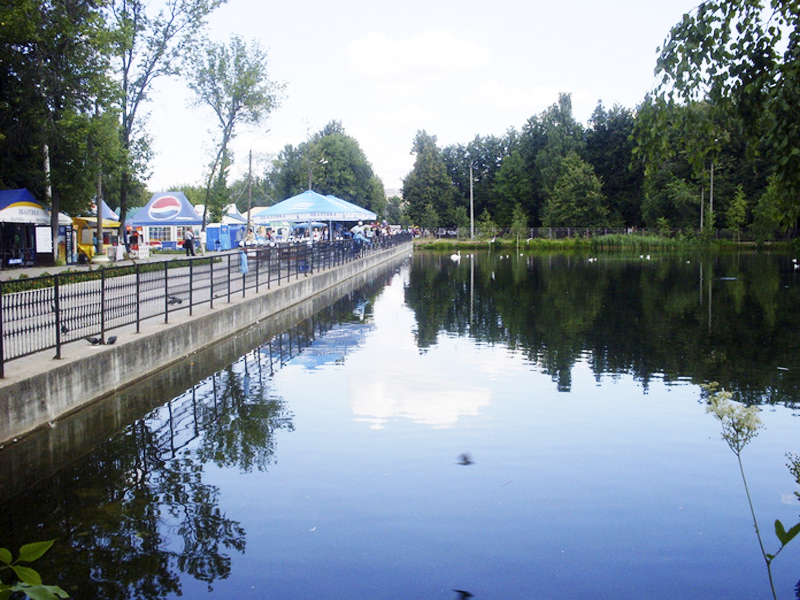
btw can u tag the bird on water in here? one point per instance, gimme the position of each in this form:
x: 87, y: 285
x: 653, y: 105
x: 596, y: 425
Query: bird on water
x: 465, y: 459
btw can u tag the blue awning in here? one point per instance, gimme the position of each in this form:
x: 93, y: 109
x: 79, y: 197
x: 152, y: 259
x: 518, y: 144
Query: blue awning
x: 311, y: 206
x: 167, y: 208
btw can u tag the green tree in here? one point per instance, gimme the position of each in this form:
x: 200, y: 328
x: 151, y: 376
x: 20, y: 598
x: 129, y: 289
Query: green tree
x: 487, y: 228
x: 393, y: 211
x: 286, y: 172
x: 675, y: 200
x: 684, y: 142
x: 428, y: 183
x: 147, y: 47
x: 519, y: 224
x: 461, y: 221
x: 609, y: 149
x: 429, y: 219
x: 742, y: 55
x: 343, y: 170
x: 233, y: 81
x: 577, y: 197
x: 563, y: 135
x: 767, y: 213
x: 54, y: 89
x: 332, y: 162
x: 737, y: 212
x: 484, y: 155
x: 532, y: 141
x: 512, y: 188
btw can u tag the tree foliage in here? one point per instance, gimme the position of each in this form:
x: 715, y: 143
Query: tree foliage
x: 148, y: 45
x: 53, y: 80
x: 577, y: 197
x: 234, y: 83
x: 428, y: 185
x: 512, y: 188
x: 330, y: 162
x: 743, y: 56
x: 610, y: 150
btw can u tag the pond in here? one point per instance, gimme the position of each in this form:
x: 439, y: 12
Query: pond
x: 497, y: 426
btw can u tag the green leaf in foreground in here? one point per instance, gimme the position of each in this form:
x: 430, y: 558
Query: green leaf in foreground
x: 785, y: 536
x: 32, y: 552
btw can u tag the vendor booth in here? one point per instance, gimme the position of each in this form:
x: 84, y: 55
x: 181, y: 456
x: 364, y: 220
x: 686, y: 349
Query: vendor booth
x: 86, y: 232
x: 25, y: 234
x: 311, y: 207
x: 163, y: 221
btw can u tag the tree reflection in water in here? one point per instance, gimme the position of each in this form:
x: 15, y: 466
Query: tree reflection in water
x: 136, y: 512
x: 731, y: 319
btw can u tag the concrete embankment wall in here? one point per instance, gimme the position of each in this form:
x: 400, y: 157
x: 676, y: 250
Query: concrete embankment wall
x: 47, y: 390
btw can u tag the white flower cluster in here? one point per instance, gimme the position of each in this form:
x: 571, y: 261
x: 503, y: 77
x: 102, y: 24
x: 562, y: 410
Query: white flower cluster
x: 740, y: 423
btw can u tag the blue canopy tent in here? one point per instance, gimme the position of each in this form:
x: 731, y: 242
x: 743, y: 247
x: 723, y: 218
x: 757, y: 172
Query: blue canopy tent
x: 105, y: 212
x: 20, y: 206
x: 20, y: 214
x: 311, y: 206
x: 165, y: 217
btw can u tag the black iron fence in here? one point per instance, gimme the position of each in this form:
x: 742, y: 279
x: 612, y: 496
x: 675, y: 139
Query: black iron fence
x: 559, y: 233
x: 40, y: 313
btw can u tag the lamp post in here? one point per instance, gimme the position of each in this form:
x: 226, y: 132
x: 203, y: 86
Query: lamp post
x: 311, y: 166
x: 471, y: 207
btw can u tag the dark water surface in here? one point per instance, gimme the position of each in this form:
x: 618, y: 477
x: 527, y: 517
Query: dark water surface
x: 510, y: 426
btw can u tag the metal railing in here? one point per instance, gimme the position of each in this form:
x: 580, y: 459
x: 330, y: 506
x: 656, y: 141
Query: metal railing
x: 40, y: 313
x: 559, y: 233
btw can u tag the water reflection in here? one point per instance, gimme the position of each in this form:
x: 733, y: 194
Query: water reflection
x: 428, y: 445
x: 137, y: 510
x: 731, y: 319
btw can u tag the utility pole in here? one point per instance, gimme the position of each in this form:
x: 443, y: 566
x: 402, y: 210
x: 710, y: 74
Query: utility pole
x: 711, y: 199
x: 249, y: 189
x: 471, y: 207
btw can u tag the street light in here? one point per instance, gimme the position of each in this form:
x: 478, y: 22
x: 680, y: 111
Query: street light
x: 471, y: 207
x: 311, y: 166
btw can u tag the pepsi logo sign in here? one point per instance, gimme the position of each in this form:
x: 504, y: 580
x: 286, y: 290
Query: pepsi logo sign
x: 166, y: 207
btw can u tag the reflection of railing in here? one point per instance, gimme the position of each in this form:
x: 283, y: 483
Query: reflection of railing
x: 180, y: 421
x: 40, y: 313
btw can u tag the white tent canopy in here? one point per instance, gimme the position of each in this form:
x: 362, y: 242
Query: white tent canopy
x: 311, y: 206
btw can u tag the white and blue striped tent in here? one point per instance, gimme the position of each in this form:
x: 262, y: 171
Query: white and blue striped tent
x: 311, y: 206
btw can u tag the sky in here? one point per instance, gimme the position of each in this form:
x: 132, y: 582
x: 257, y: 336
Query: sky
x: 388, y: 70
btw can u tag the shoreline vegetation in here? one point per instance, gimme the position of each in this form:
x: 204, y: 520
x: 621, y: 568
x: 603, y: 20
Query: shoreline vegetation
x: 603, y: 243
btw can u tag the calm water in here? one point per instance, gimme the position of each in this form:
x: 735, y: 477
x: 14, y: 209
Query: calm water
x: 327, y: 461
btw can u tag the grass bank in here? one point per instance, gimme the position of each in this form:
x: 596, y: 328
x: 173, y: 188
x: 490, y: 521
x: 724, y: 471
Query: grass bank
x: 606, y: 243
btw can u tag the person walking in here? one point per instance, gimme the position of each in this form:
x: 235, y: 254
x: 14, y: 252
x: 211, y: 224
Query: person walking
x: 188, y: 241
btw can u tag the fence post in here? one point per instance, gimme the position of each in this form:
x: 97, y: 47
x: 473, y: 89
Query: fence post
x: 229, y: 278
x: 2, y: 349
x: 166, y: 294
x: 57, y: 309
x: 103, y: 306
x: 191, y: 284
x: 211, y: 284
x: 259, y: 254
x: 138, y: 298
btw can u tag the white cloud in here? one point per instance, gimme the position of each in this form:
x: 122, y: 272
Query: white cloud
x: 529, y: 101
x: 431, y: 55
x: 503, y: 96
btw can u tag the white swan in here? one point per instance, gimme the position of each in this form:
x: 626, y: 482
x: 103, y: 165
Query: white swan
x: 456, y: 257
